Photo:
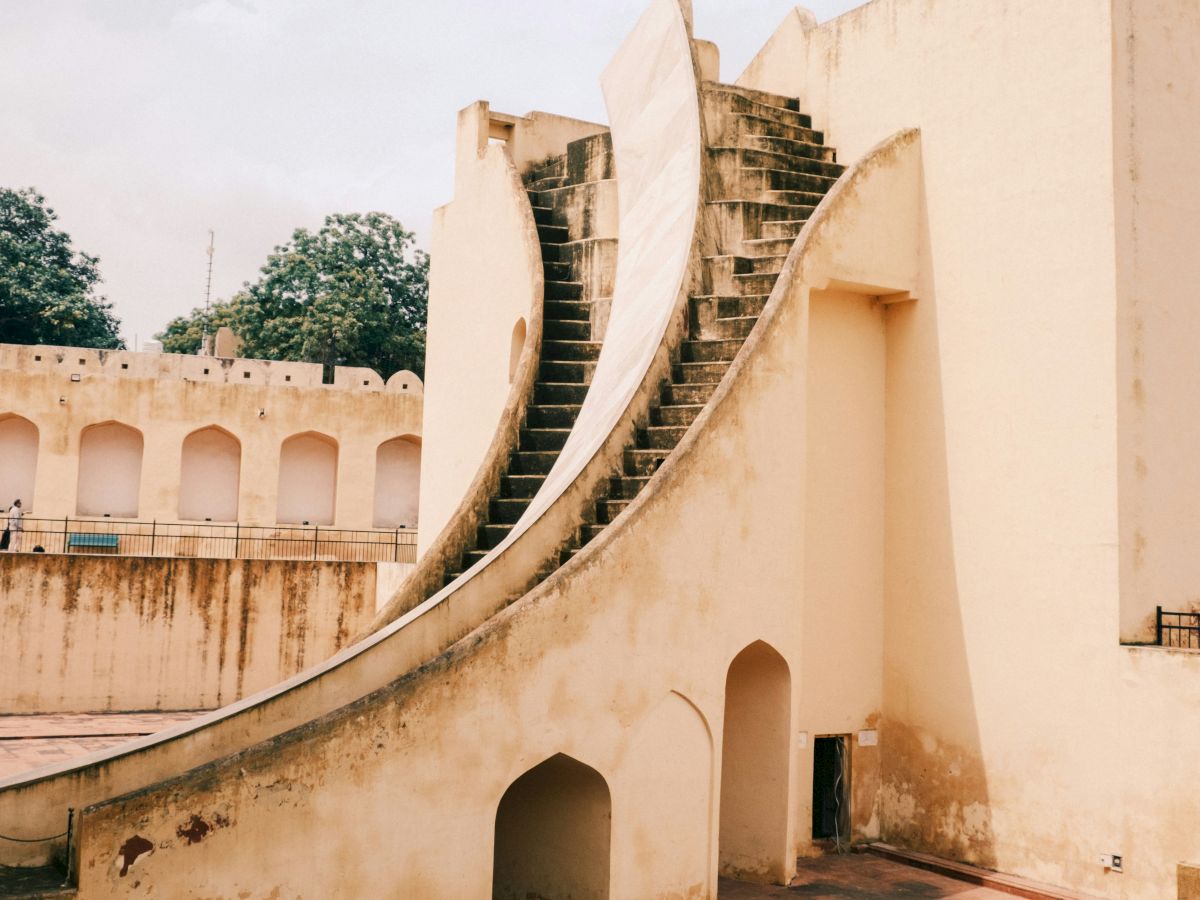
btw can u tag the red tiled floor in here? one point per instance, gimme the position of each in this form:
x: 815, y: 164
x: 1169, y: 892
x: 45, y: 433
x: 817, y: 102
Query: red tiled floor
x: 859, y: 876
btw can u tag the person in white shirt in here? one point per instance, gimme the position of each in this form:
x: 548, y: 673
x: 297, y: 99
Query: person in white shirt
x: 15, y: 526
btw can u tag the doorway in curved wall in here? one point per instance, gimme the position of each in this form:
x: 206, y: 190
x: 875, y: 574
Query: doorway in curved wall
x: 110, y: 471
x: 516, y: 345
x: 553, y: 827
x: 754, y: 766
x: 18, y: 461
x: 209, y: 476
x: 397, y: 482
x: 307, y: 480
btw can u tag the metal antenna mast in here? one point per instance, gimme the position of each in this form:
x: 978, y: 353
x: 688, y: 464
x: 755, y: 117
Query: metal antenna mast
x: 212, y: 239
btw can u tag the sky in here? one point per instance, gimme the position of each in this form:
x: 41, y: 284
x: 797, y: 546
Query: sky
x: 147, y: 122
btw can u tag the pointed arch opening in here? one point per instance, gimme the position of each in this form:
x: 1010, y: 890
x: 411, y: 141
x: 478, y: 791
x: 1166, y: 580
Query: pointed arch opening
x: 397, y: 482
x: 209, y: 476
x: 754, y: 766
x: 307, y: 480
x: 110, y: 471
x: 553, y: 828
x: 19, y: 441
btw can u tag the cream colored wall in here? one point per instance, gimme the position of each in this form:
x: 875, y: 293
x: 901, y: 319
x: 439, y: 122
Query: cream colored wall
x: 166, y: 412
x: 91, y: 634
x: 308, y: 469
x: 1156, y: 86
x: 110, y: 471
x: 210, y: 469
x: 397, y: 482
x: 485, y: 275
x: 1016, y: 732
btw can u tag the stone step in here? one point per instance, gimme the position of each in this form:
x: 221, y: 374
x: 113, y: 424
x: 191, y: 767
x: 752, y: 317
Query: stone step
x: 491, y: 534
x: 747, y: 106
x: 566, y: 329
x: 763, y: 127
x: 571, y: 350
x: 555, y: 166
x: 719, y: 271
x: 736, y: 221
x: 547, y: 183
x: 566, y: 371
x: 755, y: 283
x: 660, y: 437
x: 576, y: 310
x: 726, y: 307
x: 754, y: 94
x: 710, y: 351
x: 558, y: 392
x: 531, y: 462
x: 607, y: 510
x: 543, y: 438
x: 590, y: 159
x: 589, y: 532
x: 643, y: 462
x: 551, y: 234
x: 626, y: 487
x: 768, y: 246
x: 787, y: 230
x: 793, y: 198
x: 680, y: 414
x: 734, y: 328
x: 680, y: 394
x: 551, y: 415
x: 787, y: 146
x: 549, y: 251
x: 564, y: 290
x: 698, y: 372
x: 755, y: 181
x: 556, y: 271
x: 506, y: 510
x: 543, y: 215
x: 740, y: 157
x: 523, y: 486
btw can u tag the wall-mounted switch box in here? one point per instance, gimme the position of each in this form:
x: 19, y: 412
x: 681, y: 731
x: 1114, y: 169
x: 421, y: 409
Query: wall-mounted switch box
x: 1112, y: 861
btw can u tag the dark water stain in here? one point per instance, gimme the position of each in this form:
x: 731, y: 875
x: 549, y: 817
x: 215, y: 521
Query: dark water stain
x: 131, y: 850
x: 194, y: 831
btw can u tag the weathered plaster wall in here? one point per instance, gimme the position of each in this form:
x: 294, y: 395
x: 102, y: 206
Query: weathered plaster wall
x: 167, y: 411
x: 89, y: 634
x: 1016, y: 732
x: 1156, y: 92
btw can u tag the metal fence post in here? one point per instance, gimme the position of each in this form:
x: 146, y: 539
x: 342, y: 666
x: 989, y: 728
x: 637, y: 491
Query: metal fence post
x: 316, y: 531
x: 237, y: 539
x: 1158, y: 625
x: 66, y: 527
x: 153, y: 534
x: 396, y: 555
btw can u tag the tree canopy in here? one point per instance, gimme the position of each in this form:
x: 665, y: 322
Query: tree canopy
x: 354, y: 293
x: 47, y: 289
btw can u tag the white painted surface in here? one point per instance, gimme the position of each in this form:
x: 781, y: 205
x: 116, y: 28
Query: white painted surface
x: 18, y: 461
x: 307, y: 480
x: 397, y: 482
x: 209, y: 476
x: 110, y: 470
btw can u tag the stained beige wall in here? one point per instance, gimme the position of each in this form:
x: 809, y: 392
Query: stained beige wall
x: 166, y: 411
x: 1156, y: 87
x: 19, y: 449
x: 89, y: 634
x: 397, y: 482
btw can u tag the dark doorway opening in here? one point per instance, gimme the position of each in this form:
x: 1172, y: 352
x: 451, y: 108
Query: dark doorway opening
x: 831, y: 789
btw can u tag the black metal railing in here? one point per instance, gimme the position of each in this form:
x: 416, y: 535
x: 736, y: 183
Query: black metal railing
x: 206, y: 540
x: 1177, y: 629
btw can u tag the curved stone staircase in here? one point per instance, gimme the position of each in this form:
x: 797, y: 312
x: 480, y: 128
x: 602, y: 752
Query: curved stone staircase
x: 578, y: 269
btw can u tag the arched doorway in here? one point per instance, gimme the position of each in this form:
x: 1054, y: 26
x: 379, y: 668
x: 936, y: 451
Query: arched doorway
x: 754, y: 766
x: 209, y: 476
x: 552, y: 834
x: 19, y: 452
x: 397, y: 482
x: 110, y: 471
x: 307, y: 479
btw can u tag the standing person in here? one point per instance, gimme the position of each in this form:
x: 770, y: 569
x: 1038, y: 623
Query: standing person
x: 15, y: 526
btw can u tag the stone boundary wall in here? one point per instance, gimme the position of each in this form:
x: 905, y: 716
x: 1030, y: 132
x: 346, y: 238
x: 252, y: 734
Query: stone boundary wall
x: 106, y: 634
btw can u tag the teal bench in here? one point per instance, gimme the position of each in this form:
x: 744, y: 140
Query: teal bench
x: 97, y: 543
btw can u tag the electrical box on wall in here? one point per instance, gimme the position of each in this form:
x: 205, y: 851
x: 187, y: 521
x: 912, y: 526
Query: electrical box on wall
x: 1112, y: 861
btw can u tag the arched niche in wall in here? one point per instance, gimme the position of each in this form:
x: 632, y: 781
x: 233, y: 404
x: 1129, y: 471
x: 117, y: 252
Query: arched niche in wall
x: 516, y: 345
x: 209, y: 475
x: 553, y: 829
x: 110, y: 470
x: 307, y: 479
x: 397, y: 482
x: 18, y: 460
x: 754, y: 766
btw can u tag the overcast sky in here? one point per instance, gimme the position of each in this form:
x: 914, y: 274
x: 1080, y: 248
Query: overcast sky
x: 146, y: 122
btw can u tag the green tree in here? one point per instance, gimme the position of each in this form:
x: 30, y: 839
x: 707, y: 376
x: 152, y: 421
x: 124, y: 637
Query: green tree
x: 355, y: 293
x: 47, y: 290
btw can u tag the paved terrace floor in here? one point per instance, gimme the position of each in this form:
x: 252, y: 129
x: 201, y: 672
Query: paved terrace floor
x: 859, y: 876
x: 28, y: 742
